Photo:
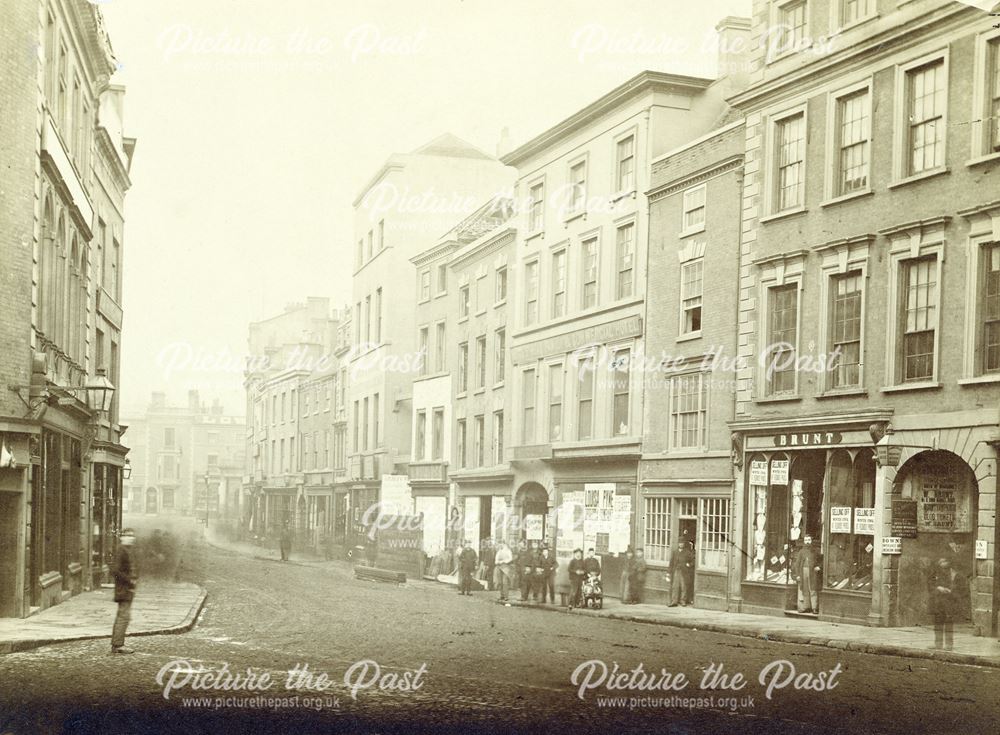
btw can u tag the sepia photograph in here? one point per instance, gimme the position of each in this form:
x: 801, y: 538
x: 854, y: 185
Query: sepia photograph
x: 664, y: 335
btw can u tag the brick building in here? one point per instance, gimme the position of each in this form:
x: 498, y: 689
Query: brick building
x: 686, y: 484
x: 65, y: 174
x: 870, y: 257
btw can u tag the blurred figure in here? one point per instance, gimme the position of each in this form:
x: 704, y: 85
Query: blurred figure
x: 680, y: 562
x: 639, y: 583
x: 947, y: 590
x: 285, y: 541
x: 125, y: 581
x: 577, y: 573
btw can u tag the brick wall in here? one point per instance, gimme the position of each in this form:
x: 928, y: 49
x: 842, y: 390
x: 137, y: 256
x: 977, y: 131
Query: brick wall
x: 19, y: 144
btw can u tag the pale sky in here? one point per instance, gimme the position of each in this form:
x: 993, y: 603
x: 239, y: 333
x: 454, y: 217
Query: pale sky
x: 259, y: 122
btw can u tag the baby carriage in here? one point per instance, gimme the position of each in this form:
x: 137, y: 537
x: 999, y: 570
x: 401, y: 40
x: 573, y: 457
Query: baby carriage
x: 593, y: 595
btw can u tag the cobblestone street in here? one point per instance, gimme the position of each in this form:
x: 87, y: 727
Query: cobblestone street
x: 487, y: 667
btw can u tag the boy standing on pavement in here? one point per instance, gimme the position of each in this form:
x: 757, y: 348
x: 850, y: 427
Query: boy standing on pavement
x: 125, y: 579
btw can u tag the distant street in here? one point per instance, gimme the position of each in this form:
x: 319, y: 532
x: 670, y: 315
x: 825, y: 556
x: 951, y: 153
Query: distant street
x: 485, y: 668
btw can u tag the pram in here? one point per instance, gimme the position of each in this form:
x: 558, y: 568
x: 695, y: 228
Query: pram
x: 593, y: 594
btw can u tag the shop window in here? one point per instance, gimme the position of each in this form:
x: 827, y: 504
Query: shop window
x: 713, y: 537
x: 769, y: 519
x: 656, y: 535
x: 851, y: 523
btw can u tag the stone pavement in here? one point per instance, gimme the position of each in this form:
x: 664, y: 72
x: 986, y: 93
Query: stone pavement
x: 159, y: 607
x: 917, y: 642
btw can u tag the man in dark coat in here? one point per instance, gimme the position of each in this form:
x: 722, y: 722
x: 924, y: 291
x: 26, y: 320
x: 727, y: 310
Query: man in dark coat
x: 577, y: 573
x: 592, y: 565
x: 805, y: 571
x: 466, y: 568
x: 947, y: 590
x: 125, y: 579
x: 489, y: 556
x: 547, y: 577
x: 681, y: 561
x: 526, y: 568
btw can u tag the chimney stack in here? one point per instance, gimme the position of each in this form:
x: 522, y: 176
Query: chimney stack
x: 503, y: 145
x: 733, y: 44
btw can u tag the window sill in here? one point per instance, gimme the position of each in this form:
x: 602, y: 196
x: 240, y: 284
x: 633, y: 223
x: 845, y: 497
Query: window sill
x: 570, y: 216
x: 844, y: 393
x: 461, y: 394
x: 687, y: 453
x: 847, y: 197
x: 439, y: 294
x: 532, y: 235
x: 463, y: 319
x: 689, y: 336
x: 854, y: 24
x: 479, y: 391
x: 481, y: 312
x: 779, y: 399
x: 926, y: 385
x: 498, y: 304
x: 919, y: 177
x: 980, y: 380
x: 985, y: 158
x: 693, y: 231
x: 781, y: 215
x: 622, y: 195
x: 498, y: 386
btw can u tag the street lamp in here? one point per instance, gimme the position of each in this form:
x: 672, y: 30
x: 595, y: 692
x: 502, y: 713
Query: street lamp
x: 100, y: 392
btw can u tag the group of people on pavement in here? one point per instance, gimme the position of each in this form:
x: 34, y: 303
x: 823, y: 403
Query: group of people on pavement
x: 532, y: 570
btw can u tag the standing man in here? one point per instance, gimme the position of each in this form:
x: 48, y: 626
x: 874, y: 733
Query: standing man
x: 466, y: 568
x: 577, y: 573
x: 680, y: 562
x: 592, y: 565
x: 547, y: 584
x: 285, y: 542
x: 628, y: 577
x: 505, y: 572
x: 125, y: 579
x: 805, y: 571
x: 488, y: 559
x: 526, y: 566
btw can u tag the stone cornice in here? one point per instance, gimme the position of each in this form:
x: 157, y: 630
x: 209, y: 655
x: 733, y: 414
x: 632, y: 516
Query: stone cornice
x: 487, y: 248
x: 866, y: 238
x: 716, y: 169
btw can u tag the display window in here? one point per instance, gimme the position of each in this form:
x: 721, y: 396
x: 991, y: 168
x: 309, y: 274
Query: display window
x: 851, y: 539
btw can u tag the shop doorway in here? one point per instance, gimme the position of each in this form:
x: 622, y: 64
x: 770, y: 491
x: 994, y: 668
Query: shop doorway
x: 687, y: 530
x: 10, y: 522
x: 531, y: 506
x: 946, y: 495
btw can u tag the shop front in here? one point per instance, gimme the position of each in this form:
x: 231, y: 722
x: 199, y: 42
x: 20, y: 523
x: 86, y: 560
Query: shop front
x: 485, y: 507
x: 694, y: 516
x: 844, y: 519
x: 589, y: 506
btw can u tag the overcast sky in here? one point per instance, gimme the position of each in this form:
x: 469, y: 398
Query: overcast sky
x: 258, y: 123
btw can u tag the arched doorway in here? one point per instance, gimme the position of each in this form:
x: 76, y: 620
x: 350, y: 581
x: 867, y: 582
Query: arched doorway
x: 944, y: 491
x: 151, y: 501
x: 531, y: 506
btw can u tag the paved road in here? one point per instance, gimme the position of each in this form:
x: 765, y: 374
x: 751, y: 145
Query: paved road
x: 487, y: 668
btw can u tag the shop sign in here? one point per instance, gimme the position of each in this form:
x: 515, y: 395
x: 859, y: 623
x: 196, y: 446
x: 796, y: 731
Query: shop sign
x: 534, y: 525
x: 892, y: 545
x: 840, y: 519
x: 864, y: 521
x: 807, y: 439
x: 982, y: 550
x: 758, y: 472
x: 779, y: 471
x: 395, y: 494
x: 904, y: 518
